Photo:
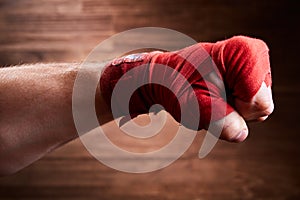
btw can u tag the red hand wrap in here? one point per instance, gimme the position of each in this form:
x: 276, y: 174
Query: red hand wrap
x: 243, y: 65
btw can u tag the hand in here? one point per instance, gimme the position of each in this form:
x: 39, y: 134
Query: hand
x: 242, y: 65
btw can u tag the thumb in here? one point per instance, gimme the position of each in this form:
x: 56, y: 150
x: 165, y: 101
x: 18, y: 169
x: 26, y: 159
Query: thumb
x: 233, y: 126
x: 223, y: 117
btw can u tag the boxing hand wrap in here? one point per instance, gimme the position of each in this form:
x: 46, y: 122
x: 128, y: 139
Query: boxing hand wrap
x: 242, y: 63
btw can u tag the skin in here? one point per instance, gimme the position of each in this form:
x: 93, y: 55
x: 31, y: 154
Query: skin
x: 36, y: 112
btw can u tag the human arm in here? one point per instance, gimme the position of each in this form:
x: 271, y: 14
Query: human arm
x: 36, y: 112
x: 36, y: 109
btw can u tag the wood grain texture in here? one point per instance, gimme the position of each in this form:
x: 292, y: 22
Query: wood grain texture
x: 266, y: 166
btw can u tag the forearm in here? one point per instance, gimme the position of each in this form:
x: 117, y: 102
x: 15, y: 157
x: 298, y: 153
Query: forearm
x: 36, y: 112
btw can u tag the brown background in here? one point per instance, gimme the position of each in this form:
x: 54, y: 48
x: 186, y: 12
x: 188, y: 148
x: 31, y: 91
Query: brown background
x: 266, y: 166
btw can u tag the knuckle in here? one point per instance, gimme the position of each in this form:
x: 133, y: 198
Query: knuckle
x: 264, y: 107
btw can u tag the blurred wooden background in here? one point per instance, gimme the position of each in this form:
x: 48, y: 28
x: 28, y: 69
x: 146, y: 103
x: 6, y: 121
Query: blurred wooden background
x: 266, y: 166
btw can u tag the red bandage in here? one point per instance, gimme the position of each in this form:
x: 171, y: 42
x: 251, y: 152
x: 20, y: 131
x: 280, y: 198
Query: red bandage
x: 242, y: 63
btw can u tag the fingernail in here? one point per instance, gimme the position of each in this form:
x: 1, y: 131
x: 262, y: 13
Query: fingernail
x: 241, y: 136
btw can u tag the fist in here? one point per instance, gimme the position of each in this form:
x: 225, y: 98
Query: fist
x: 227, y: 83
